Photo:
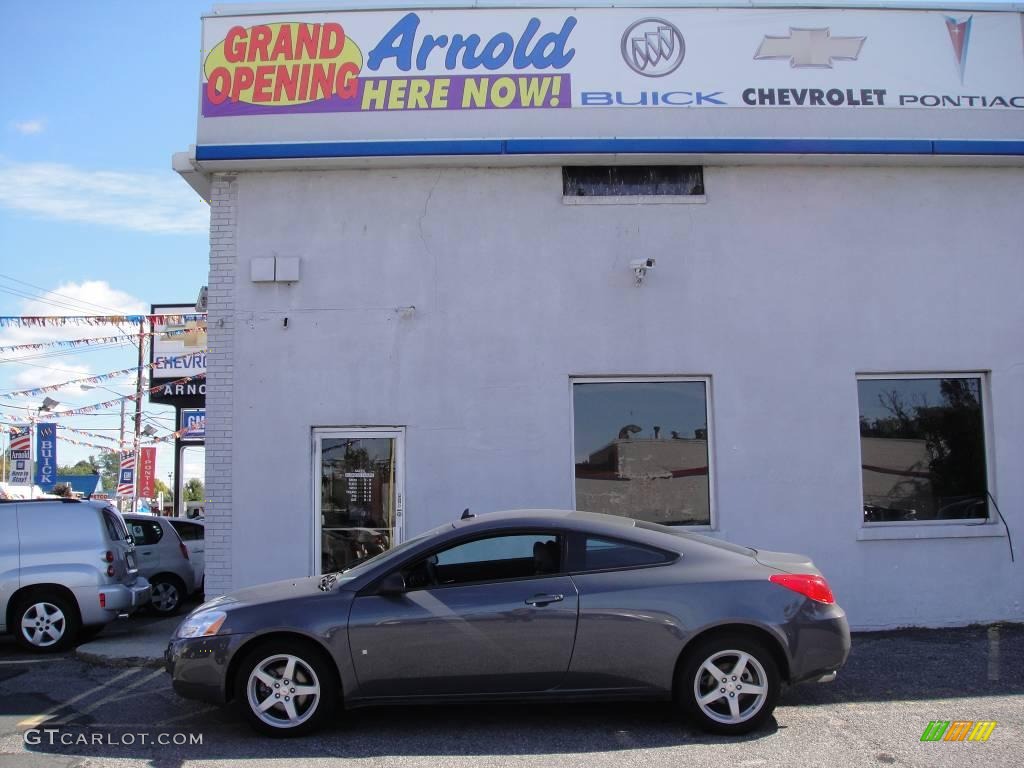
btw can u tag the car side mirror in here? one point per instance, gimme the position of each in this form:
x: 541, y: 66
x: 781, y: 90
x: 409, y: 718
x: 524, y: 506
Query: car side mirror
x: 392, y: 584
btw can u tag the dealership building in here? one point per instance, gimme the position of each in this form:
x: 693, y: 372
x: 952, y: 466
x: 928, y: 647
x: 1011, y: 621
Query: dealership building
x: 752, y: 270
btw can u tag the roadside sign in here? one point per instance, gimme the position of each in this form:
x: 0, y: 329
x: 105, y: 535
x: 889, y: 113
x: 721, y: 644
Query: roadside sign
x: 194, y: 421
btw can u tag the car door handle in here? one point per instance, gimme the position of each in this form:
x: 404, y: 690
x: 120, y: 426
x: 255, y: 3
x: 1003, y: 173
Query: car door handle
x: 542, y: 600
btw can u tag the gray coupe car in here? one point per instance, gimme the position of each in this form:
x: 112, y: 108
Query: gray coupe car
x: 542, y: 605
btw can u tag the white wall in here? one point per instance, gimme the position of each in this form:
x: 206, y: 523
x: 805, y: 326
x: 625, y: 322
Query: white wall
x: 783, y: 286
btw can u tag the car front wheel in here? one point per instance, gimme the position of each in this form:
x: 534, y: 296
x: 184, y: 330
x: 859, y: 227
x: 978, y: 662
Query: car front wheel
x: 286, y: 689
x: 729, y: 684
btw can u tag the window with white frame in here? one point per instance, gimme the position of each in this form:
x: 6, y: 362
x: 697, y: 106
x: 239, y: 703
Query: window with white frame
x: 641, y: 449
x: 923, y: 447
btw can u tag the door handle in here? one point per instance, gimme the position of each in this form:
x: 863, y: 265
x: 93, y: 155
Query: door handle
x: 540, y: 601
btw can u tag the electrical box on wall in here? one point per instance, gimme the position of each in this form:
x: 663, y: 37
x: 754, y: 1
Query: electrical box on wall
x: 262, y: 270
x: 279, y: 269
x: 286, y: 269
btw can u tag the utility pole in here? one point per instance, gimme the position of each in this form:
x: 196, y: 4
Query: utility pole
x: 138, y: 413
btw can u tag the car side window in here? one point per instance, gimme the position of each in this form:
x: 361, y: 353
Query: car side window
x: 601, y: 554
x: 146, y: 533
x: 493, y: 558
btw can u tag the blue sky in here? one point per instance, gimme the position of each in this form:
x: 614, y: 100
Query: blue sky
x: 104, y: 93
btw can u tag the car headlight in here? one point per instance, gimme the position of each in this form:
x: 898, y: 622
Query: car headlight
x: 202, y: 624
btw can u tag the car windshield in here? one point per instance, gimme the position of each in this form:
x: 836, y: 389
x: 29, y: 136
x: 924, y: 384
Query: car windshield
x: 684, y: 534
x: 391, y: 554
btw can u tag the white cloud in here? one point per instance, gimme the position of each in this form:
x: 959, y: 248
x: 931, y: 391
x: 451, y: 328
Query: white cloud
x: 29, y: 127
x: 45, y: 377
x: 161, y: 204
x: 91, y: 297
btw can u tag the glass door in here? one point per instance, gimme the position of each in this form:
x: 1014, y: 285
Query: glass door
x: 358, y: 494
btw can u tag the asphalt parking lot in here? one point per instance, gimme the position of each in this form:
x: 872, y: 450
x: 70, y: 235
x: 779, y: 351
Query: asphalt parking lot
x: 60, y: 711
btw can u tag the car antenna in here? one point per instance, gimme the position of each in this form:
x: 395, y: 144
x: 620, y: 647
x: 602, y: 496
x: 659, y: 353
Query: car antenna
x: 466, y: 514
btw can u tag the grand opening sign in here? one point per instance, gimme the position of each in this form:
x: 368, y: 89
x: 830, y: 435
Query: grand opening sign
x: 299, y: 66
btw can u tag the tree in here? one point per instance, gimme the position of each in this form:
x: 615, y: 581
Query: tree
x: 109, y: 463
x: 84, y: 467
x: 194, y: 490
x: 160, y: 487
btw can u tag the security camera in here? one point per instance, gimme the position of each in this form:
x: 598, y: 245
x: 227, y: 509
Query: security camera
x: 640, y: 267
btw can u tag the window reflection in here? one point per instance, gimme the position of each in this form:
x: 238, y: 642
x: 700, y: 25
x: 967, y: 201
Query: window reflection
x: 642, y: 450
x: 356, y: 503
x: 922, y: 449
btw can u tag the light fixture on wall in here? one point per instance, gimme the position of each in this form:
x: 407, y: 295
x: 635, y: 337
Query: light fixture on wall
x: 640, y: 267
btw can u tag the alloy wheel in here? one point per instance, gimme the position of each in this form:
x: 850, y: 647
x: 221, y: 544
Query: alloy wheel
x: 43, y: 624
x: 730, y: 687
x: 283, y: 691
x: 165, y: 596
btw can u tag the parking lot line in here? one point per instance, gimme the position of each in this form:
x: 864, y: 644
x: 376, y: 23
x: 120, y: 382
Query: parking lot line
x: 35, y: 661
x: 36, y: 720
x: 119, y: 693
x: 186, y: 716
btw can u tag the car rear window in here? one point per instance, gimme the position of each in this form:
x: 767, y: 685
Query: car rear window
x: 683, y: 534
x: 114, y: 525
x: 600, y: 554
x: 188, y: 531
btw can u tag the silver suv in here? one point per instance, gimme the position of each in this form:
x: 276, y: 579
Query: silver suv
x: 164, y: 560
x: 67, y: 568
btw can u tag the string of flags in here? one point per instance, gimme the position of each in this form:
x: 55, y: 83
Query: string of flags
x: 59, y: 321
x: 35, y: 391
x: 16, y: 430
x: 117, y: 401
x: 91, y: 341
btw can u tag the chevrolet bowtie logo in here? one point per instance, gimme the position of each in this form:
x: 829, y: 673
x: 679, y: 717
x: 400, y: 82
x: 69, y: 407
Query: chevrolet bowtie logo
x: 810, y: 48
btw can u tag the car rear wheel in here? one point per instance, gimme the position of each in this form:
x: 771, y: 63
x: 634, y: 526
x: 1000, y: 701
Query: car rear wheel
x: 286, y: 689
x: 729, y: 684
x: 167, y: 595
x: 46, y: 622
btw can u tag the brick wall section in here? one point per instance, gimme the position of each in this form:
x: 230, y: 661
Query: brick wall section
x: 219, y: 383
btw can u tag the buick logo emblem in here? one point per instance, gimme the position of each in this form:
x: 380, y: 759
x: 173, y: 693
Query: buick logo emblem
x: 653, y: 47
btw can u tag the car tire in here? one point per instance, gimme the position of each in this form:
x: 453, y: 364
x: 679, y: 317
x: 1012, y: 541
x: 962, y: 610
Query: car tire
x: 168, y: 593
x: 261, y: 679
x: 46, y: 622
x: 726, y: 703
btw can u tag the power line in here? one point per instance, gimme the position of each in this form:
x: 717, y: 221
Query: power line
x: 83, y: 302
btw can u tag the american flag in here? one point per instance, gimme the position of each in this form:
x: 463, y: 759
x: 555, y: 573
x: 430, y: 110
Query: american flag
x: 126, y: 477
x: 21, y: 439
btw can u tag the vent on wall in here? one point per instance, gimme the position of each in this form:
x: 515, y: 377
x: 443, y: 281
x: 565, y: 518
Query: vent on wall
x: 633, y: 180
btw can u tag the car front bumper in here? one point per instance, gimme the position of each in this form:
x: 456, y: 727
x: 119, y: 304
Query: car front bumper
x: 198, y: 666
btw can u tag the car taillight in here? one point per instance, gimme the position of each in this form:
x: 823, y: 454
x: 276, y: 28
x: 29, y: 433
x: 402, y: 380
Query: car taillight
x: 108, y: 556
x: 103, y: 600
x: 184, y: 549
x: 110, y: 570
x: 807, y: 584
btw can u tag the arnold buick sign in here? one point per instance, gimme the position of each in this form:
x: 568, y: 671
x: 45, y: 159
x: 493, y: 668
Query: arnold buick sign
x: 520, y: 72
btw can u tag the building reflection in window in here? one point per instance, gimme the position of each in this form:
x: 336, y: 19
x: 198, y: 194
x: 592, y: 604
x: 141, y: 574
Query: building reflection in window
x: 642, y: 450
x: 922, y: 449
x: 356, y: 505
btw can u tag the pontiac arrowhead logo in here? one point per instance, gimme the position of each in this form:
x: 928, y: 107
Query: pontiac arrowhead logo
x: 810, y: 48
x: 960, y: 36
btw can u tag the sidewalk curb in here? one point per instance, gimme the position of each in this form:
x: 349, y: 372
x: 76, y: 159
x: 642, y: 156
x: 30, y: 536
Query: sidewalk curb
x: 118, y: 661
